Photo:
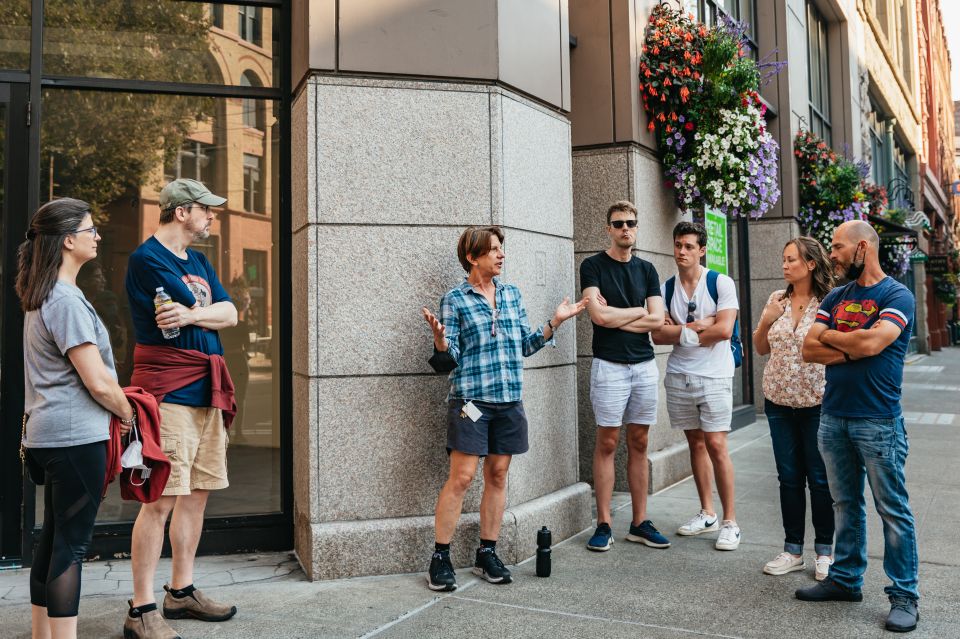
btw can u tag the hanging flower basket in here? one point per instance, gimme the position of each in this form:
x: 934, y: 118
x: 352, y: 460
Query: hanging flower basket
x: 699, y: 90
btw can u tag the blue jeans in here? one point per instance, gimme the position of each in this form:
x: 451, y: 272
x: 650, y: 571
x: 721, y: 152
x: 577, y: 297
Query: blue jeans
x: 876, y: 449
x: 799, y: 464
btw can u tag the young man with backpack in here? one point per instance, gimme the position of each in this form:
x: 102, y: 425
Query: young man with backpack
x: 701, y: 324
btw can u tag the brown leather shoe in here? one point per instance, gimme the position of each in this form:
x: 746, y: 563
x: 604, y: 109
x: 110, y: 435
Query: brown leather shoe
x: 149, y: 625
x: 196, y: 605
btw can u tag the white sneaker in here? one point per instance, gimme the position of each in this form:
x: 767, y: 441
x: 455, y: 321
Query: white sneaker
x: 700, y: 524
x: 822, y: 567
x: 784, y: 563
x: 729, y: 538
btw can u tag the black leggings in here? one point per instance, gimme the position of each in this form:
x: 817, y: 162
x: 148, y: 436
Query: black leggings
x: 71, y: 495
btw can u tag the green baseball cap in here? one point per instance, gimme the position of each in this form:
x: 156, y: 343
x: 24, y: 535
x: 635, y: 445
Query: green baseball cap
x: 185, y: 191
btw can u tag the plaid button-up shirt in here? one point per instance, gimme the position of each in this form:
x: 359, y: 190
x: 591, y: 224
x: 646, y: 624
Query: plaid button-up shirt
x: 488, y: 345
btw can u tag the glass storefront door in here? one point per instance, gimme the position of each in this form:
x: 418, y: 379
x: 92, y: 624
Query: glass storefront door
x: 173, y: 88
x: 12, y: 205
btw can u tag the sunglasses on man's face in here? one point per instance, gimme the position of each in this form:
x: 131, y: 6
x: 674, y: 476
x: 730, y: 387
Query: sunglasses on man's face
x: 618, y: 224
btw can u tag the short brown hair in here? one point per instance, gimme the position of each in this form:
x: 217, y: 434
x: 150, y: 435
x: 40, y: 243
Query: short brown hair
x: 622, y: 206
x: 691, y: 228
x: 475, y: 241
x: 167, y: 215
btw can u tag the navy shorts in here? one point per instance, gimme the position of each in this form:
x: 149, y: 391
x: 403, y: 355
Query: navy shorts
x: 501, y: 429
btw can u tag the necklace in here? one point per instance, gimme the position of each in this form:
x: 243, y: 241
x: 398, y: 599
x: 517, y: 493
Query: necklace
x: 803, y: 306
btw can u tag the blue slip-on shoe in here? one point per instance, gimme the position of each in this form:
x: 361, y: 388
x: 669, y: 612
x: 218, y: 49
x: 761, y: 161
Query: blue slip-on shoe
x: 646, y: 534
x: 602, y: 539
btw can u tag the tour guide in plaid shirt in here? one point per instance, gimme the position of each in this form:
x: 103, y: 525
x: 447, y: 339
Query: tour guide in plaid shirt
x: 484, y: 329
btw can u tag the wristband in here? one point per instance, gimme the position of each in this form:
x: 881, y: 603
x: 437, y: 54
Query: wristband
x: 846, y: 357
x: 552, y: 327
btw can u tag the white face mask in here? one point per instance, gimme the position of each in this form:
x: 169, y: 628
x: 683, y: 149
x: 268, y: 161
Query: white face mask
x: 132, y: 457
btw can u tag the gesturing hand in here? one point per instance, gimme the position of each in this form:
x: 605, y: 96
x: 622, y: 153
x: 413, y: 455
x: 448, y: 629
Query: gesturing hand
x: 439, y: 330
x: 566, y: 310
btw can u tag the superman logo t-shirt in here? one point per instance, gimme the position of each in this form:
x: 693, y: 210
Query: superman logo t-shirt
x: 869, y: 387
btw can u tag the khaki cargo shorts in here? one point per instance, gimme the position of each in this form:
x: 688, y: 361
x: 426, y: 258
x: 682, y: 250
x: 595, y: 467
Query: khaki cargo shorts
x: 195, y: 441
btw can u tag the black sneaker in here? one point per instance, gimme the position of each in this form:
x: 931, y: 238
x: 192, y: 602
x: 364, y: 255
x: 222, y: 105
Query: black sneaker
x: 441, y: 575
x: 828, y: 590
x: 489, y: 566
x: 903, y: 615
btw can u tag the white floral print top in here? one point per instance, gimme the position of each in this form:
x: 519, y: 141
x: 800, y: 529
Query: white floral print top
x: 787, y: 379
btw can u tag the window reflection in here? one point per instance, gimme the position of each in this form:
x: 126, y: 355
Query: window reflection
x: 117, y: 151
x: 173, y: 41
x: 15, y: 34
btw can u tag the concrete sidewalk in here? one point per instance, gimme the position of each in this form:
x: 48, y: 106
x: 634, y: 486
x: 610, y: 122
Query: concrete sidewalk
x: 689, y: 590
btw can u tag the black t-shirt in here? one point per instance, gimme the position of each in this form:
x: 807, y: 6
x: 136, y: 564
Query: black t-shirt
x: 623, y: 285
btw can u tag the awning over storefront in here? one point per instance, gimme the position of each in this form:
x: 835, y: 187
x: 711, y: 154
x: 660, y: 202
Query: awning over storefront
x: 892, y: 231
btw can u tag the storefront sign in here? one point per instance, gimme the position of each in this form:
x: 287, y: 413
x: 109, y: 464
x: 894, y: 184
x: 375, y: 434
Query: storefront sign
x: 716, y: 224
x: 937, y: 265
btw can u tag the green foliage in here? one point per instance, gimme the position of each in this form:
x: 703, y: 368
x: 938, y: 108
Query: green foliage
x: 727, y: 75
x: 102, y: 146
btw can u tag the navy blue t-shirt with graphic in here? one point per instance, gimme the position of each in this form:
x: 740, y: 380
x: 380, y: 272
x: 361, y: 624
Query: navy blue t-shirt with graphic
x: 189, y: 281
x: 869, y: 387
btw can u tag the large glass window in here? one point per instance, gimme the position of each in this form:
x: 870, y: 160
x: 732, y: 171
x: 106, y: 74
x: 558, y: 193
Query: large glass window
x: 818, y: 73
x: 168, y: 41
x: 195, y: 160
x: 15, y: 34
x: 250, y: 24
x: 709, y: 11
x: 905, y: 58
x: 252, y: 183
x: 116, y: 151
x: 879, y: 171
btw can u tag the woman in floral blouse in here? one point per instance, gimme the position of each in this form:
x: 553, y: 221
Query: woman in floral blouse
x: 793, y: 391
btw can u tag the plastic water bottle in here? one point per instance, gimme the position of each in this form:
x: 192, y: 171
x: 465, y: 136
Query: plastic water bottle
x: 162, y: 299
x: 544, y: 538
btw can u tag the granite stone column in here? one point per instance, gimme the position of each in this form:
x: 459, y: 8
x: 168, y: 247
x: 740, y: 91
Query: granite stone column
x: 413, y: 119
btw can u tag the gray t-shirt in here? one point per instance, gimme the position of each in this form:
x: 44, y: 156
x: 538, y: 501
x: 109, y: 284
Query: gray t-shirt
x: 61, y: 410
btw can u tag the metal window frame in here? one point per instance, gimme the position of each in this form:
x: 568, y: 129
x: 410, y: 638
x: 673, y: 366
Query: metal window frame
x: 269, y: 531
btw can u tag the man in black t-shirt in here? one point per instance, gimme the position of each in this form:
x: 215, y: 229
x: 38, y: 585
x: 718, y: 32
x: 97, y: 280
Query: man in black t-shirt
x: 625, y: 304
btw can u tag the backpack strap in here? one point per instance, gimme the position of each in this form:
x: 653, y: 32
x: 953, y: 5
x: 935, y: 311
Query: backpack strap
x: 668, y: 288
x: 712, y: 277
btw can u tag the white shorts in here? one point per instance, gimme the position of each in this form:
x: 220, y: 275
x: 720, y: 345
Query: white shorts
x: 624, y: 393
x: 704, y: 403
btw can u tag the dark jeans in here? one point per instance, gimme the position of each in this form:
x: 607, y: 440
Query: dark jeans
x: 794, y: 435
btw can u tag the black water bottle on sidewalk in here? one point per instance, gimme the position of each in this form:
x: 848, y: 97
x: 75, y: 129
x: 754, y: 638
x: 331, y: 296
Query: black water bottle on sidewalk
x: 543, y: 552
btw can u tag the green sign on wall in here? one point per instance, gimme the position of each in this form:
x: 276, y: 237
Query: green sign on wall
x: 716, y: 223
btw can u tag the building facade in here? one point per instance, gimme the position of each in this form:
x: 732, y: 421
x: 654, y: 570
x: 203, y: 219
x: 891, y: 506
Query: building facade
x: 937, y: 165
x: 354, y: 141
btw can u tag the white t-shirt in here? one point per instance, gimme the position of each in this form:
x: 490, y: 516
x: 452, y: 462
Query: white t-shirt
x: 714, y: 361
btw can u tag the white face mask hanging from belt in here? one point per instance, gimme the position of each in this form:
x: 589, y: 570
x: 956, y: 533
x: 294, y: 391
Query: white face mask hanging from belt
x: 132, y: 457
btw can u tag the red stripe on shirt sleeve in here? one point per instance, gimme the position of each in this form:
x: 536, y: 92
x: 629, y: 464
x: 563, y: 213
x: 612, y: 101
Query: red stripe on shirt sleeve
x: 896, y: 319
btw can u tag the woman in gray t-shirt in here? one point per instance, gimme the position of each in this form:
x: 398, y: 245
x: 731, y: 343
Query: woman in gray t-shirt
x: 70, y: 392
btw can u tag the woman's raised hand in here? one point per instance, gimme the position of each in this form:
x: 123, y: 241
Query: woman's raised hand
x: 439, y: 330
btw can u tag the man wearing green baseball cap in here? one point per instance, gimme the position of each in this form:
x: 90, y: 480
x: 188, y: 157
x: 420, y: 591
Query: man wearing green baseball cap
x: 178, y: 304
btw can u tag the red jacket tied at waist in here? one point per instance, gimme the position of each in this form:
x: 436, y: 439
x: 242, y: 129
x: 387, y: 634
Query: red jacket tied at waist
x: 164, y: 369
x: 148, y: 423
